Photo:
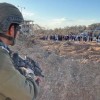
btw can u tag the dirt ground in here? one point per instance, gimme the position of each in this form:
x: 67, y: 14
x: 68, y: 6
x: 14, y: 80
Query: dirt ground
x: 71, y: 69
x: 86, y: 50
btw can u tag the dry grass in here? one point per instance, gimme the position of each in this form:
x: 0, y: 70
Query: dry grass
x: 72, y: 69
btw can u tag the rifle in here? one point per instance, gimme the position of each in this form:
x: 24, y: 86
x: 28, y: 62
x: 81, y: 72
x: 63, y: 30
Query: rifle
x: 29, y: 63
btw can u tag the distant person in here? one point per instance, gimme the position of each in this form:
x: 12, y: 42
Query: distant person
x: 13, y: 85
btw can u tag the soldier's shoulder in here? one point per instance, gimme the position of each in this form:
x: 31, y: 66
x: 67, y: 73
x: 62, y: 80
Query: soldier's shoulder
x: 4, y: 55
x: 3, y: 50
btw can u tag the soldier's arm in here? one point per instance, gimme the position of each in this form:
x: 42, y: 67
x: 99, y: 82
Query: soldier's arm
x: 12, y: 83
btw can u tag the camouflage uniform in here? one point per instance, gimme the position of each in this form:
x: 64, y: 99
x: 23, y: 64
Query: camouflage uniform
x: 13, y: 85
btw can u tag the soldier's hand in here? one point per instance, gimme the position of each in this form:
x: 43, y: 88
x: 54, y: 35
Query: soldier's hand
x: 27, y: 71
x: 38, y: 79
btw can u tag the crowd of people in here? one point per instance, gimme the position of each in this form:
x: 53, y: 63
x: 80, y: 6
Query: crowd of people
x: 88, y: 36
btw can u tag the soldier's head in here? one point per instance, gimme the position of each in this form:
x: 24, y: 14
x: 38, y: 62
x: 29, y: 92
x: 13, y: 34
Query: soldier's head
x: 10, y: 20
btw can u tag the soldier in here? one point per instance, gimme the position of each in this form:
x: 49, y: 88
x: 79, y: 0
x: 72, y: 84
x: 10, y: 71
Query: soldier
x: 13, y: 85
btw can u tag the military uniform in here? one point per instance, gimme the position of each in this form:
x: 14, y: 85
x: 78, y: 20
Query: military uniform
x: 13, y: 85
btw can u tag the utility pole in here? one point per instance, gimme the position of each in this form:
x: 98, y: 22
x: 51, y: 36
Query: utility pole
x: 21, y: 8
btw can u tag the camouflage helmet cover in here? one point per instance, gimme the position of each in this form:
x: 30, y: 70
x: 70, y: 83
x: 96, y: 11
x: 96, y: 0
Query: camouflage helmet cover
x: 9, y: 14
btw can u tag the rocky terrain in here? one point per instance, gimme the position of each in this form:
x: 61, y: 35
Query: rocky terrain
x: 71, y: 69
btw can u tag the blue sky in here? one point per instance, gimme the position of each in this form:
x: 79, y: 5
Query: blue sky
x: 59, y: 13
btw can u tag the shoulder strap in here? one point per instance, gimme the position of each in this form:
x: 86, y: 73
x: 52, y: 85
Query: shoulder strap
x: 4, y: 47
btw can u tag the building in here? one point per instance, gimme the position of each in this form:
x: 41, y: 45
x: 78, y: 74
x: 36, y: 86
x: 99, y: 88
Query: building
x: 27, y: 27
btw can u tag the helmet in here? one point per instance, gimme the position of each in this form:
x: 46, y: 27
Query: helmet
x: 9, y: 14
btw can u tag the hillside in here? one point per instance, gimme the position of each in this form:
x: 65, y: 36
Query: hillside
x: 71, y: 69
